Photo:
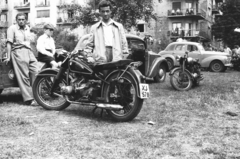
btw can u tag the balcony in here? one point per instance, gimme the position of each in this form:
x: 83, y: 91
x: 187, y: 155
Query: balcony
x: 65, y: 21
x: 22, y: 6
x: 197, y: 14
x: 189, y: 34
x: 3, y: 24
x: 183, y: 33
x: 3, y: 7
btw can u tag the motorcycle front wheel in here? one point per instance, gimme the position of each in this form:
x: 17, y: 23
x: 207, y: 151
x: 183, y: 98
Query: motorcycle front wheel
x: 42, y: 93
x: 181, y: 80
x: 124, y: 93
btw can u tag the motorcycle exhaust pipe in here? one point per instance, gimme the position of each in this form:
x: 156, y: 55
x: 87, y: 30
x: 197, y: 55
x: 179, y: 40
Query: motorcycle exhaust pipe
x: 109, y: 106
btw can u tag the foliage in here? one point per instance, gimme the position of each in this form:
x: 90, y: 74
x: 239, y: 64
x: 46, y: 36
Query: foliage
x: 126, y: 12
x: 225, y: 24
x: 63, y: 38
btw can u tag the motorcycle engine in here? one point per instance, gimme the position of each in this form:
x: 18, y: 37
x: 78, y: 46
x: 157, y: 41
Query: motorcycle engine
x: 81, y: 88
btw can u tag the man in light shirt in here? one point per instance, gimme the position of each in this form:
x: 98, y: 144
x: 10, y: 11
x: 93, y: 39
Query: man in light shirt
x: 46, y: 47
x: 107, y: 41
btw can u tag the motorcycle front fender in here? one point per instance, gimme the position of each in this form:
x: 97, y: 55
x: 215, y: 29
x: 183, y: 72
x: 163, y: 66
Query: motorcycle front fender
x: 178, y: 68
x: 153, y: 69
x: 47, y: 72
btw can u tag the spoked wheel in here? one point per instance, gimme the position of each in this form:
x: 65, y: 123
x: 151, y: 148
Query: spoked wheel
x: 181, y: 80
x: 123, y: 92
x: 41, y: 92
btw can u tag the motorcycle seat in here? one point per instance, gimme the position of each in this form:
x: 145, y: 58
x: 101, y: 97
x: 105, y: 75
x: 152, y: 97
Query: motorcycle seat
x: 110, y: 65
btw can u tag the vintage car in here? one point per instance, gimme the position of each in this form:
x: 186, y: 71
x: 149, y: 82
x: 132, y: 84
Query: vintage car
x: 213, y: 60
x: 154, y: 66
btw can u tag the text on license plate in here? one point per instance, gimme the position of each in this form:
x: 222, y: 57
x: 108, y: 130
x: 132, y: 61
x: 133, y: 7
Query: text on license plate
x: 144, y: 90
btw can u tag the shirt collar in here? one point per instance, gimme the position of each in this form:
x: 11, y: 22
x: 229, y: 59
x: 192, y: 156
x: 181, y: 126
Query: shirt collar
x: 110, y: 22
x: 25, y: 27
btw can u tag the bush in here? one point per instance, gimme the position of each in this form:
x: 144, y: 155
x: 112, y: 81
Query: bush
x: 63, y: 38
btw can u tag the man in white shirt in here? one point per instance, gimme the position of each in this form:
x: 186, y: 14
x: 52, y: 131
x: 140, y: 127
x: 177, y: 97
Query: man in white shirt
x: 46, y: 47
x: 107, y: 41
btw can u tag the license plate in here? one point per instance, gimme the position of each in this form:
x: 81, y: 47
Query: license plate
x: 144, y: 91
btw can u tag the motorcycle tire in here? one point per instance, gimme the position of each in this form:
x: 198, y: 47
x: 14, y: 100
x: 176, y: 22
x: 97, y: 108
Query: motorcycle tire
x: 127, y: 91
x: 181, y: 80
x: 41, y: 92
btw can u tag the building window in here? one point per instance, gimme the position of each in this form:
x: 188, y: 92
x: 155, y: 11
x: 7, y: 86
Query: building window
x: 70, y: 13
x: 176, y: 29
x: 3, y: 17
x: 176, y: 5
x: 43, y: 3
x: 140, y: 27
x: 43, y: 13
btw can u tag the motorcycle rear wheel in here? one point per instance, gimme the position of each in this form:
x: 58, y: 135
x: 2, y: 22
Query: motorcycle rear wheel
x: 41, y: 92
x: 126, y: 93
x: 181, y: 80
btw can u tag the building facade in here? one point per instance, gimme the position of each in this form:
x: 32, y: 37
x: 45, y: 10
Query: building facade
x: 37, y: 11
x: 186, y: 19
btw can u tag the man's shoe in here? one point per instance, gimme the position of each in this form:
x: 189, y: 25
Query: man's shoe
x: 31, y: 102
x: 34, y: 103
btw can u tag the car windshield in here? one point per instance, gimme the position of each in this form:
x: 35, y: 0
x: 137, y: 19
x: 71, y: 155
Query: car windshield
x: 200, y: 47
x: 170, y: 48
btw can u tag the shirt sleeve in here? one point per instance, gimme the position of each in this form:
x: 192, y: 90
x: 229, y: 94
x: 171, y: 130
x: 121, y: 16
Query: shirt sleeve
x: 90, y: 43
x: 10, y: 34
x: 124, y: 39
x: 41, y: 47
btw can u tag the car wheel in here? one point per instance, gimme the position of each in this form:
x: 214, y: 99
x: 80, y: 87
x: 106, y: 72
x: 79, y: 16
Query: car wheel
x: 161, y: 74
x: 216, y: 66
x: 170, y: 63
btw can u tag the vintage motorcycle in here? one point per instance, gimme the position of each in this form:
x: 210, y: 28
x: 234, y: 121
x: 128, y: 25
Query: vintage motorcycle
x: 118, y: 87
x: 187, y: 75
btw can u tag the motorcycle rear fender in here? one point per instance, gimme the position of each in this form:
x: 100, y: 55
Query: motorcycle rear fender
x: 135, y: 73
x: 153, y: 70
x: 178, y: 68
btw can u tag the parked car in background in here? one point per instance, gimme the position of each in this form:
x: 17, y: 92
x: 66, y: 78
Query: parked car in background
x: 154, y: 66
x: 213, y: 60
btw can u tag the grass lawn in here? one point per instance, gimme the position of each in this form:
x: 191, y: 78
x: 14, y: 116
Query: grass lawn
x: 201, y: 123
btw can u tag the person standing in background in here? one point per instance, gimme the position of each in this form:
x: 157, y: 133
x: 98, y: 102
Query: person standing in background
x: 23, y: 60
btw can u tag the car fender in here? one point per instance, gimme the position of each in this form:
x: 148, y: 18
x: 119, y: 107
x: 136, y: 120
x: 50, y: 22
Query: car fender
x: 172, y: 57
x: 207, y: 61
x: 152, y: 72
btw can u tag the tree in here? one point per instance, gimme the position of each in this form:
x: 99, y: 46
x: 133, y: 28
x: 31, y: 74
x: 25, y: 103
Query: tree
x: 126, y: 12
x: 227, y: 22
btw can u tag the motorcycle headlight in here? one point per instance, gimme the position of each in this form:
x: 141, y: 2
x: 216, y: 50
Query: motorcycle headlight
x: 178, y: 58
x: 190, y: 60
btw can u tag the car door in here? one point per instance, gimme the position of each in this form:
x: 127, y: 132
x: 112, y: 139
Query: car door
x: 194, y: 52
